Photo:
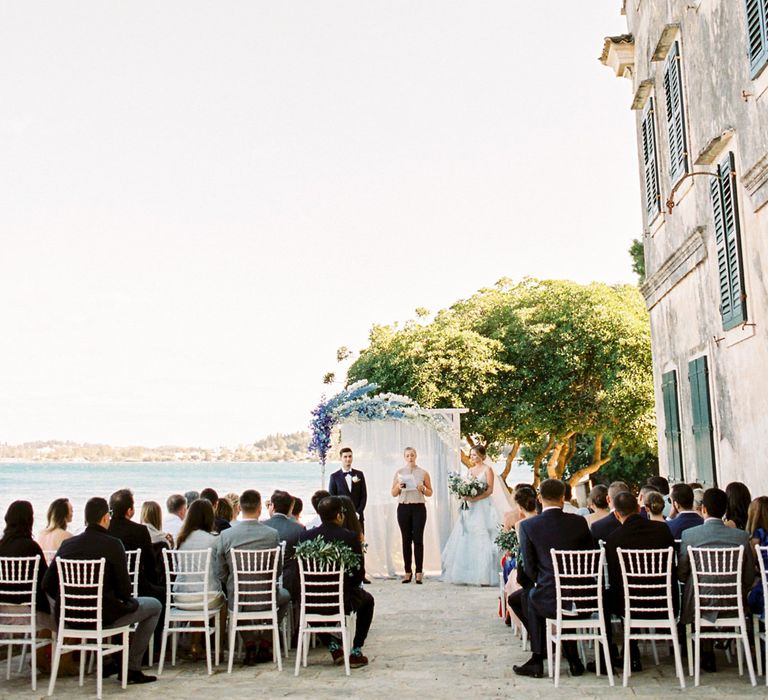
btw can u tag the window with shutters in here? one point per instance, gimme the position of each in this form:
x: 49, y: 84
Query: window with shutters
x: 650, y: 162
x: 757, y: 35
x: 733, y: 299
x: 672, y: 426
x: 673, y: 90
x: 702, y: 428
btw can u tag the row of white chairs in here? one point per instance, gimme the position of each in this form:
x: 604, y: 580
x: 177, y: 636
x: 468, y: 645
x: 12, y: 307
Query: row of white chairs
x: 190, y: 607
x: 648, y: 605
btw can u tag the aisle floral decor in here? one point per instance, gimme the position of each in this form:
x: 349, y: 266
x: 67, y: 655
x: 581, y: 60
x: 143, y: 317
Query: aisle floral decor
x: 357, y: 404
x: 333, y: 554
x: 465, y: 488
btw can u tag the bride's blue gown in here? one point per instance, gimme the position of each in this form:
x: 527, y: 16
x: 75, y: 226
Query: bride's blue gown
x: 470, y: 557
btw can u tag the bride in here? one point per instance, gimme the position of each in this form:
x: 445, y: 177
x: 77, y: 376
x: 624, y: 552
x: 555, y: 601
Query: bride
x: 470, y: 556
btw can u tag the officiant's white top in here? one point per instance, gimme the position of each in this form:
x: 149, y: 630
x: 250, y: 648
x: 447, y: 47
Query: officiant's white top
x: 412, y: 495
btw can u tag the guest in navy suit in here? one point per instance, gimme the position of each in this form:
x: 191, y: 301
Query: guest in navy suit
x: 552, y: 529
x: 605, y: 526
x: 350, y: 482
x: 682, y: 504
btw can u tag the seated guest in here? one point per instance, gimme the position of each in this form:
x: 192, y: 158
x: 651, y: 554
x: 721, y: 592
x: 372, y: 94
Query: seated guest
x: 654, y: 507
x: 645, y: 491
x: 135, y: 536
x: 525, y: 499
x: 568, y: 506
x: 352, y: 522
x: 298, y: 506
x: 331, y: 511
x: 757, y: 528
x: 176, y: 505
x: 249, y: 533
x: 598, y: 501
x: 553, y: 529
x: 635, y: 532
x: 739, y: 499
x: 59, y: 516
x: 234, y: 499
x: 698, y: 500
x: 118, y: 606
x: 682, y: 504
x: 225, y: 511
x: 17, y: 542
x: 150, y: 518
x: 219, y: 524
x: 661, y: 484
x: 191, y: 497
x: 712, y: 533
x: 605, y: 526
x: 317, y: 496
x: 279, y: 507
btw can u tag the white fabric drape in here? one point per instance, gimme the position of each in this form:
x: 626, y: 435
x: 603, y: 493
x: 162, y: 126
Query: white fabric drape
x: 378, y: 451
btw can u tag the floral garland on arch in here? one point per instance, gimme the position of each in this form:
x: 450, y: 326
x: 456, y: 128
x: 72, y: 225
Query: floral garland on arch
x: 355, y: 404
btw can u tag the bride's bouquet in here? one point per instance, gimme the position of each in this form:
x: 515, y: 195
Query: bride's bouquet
x: 465, y: 488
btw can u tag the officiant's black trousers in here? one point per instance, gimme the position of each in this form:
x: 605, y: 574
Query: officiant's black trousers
x: 412, y: 519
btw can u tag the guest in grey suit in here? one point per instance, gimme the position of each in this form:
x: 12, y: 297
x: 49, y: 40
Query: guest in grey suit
x: 712, y: 533
x: 279, y: 507
x: 248, y: 533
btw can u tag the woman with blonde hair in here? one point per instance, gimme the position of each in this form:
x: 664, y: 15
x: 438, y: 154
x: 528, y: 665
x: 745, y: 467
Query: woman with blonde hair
x: 151, y: 518
x: 55, y: 532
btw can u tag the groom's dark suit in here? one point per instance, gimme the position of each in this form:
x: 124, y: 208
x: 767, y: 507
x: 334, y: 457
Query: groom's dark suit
x: 553, y: 529
x: 358, y: 493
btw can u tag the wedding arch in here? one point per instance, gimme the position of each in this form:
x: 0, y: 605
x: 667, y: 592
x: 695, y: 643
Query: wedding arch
x: 378, y: 427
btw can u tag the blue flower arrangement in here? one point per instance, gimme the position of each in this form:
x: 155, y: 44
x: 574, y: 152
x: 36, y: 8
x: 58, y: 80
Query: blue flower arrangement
x: 355, y: 404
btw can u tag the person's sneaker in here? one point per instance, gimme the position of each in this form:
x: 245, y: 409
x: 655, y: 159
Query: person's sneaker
x: 338, y: 656
x: 357, y: 659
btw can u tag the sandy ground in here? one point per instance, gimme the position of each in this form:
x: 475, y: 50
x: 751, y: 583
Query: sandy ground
x: 430, y: 641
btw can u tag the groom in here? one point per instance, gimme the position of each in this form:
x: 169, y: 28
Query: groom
x: 350, y: 482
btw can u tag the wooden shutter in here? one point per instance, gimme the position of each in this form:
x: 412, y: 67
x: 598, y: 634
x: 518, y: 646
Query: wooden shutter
x: 672, y: 425
x: 651, y: 170
x: 733, y: 300
x: 757, y: 34
x: 673, y: 89
x: 698, y: 376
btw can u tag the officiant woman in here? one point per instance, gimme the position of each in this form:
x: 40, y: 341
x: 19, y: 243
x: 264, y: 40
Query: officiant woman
x: 411, y: 487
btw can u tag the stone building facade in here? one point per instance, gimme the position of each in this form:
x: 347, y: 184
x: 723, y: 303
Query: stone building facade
x: 699, y: 74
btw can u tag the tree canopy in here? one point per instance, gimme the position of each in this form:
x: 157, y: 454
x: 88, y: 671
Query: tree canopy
x: 537, y: 363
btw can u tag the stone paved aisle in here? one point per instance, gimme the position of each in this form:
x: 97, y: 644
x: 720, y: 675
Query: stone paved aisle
x: 430, y: 641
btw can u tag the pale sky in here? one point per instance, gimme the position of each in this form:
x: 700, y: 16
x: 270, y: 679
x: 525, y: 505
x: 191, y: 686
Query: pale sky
x: 201, y: 201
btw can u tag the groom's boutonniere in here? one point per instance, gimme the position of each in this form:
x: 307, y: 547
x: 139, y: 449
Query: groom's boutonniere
x: 355, y: 479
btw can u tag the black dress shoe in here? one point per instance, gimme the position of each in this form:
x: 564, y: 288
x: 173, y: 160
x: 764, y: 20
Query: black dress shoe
x: 531, y: 668
x: 708, y: 662
x: 139, y: 677
x: 575, y: 667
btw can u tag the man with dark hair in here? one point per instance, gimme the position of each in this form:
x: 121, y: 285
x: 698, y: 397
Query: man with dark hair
x: 248, y: 533
x: 191, y: 497
x: 568, y: 507
x: 331, y: 511
x: 279, y: 507
x: 177, y: 509
x: 682, y: 505
x: 350, y: 482
x: 605, y: 526
x: 552, y: 529
x: 635, y: 532
x: 210, y: 494
x: 317, y: 496
x: 712, y: 533
x: 118, y: 606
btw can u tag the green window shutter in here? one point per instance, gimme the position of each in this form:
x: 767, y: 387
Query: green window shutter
x: 757, y: 35
x: 672, y: 425
x: 650, y: 166
x: 698, y: 376
x: 733, y: 301
x: 673, y: 90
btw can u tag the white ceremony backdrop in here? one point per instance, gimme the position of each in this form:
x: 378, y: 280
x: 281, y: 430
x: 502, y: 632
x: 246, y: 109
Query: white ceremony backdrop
x: 378, y: 450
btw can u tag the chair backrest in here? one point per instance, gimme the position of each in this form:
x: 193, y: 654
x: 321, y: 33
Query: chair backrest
x: 716, y: 574
x: 578, y: 582
x: 133, y: 559
x: 322, y: 587
x: 761, y: 554
x: 186, y: 574
x: 81, y: 584
x: 18, y: 586
x: 647, y: 582
x: 255, y: 579
x: 606, y: 577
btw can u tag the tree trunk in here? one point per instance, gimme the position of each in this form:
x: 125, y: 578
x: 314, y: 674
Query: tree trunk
x: 554, y: 459
x: 566, y: 455
x: 510, y: 458
x: 598, y: 460
x: 538, y: 460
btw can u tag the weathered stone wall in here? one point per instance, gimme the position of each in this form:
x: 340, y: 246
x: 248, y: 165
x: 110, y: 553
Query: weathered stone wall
x: 682, y: 276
